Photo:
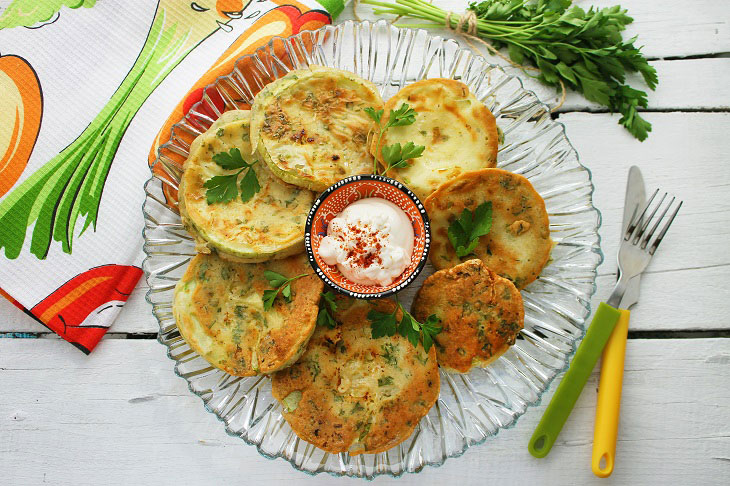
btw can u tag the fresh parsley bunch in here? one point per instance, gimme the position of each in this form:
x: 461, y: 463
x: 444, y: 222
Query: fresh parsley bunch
x: 395, y: 155
x: 582, y: 48
x: 224, y: 188
x: 384, y: 324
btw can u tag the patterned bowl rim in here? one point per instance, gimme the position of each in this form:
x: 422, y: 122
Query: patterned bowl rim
x: 355, y: 180
x: 597, y: 250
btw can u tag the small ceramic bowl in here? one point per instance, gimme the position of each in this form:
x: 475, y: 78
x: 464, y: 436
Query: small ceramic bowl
x: 345, y: 192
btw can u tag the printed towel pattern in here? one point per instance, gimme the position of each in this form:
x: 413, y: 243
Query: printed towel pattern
x: 86, y: 88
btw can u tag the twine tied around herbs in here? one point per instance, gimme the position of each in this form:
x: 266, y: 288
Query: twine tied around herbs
x: 468, y: 28
x: 469, y: 20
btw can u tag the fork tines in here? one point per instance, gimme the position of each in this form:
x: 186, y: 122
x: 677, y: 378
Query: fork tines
x: 636, y: 230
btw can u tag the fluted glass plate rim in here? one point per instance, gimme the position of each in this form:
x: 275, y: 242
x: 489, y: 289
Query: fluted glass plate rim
x: 596, y: 249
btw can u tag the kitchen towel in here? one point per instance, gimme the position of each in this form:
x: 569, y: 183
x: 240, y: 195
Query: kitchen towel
x: 86, y: 88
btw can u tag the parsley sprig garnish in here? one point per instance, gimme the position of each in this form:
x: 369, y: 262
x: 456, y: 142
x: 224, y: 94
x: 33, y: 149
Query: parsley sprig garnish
x: 395, y: 156
x: 385, y: 324
x: 281, y: 284
x: 224, y: 188
x: 327, y: 309
x: 583, y: 49
x: 464, y: 232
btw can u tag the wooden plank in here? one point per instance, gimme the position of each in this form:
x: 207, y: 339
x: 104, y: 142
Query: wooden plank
x: 122, y: 416
x: 671, y: 28
x: 687, y: 84
x: 703, y: 289
x: 686, y: 154
x: 683, y: 84
x: 135, y: 317
x: 668, y: 28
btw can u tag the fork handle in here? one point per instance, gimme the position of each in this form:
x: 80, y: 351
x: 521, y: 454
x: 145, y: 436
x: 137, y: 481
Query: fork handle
x: 609, y: 399
x: 575, y: 378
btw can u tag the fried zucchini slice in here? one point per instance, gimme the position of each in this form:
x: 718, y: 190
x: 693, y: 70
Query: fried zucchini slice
x: 458, y: 131
x: 311, y: 129
x: 219, y: 310
x: 481, y: 314
x: 268, y: 226
x: 518, y: 244
x: 352, y: 393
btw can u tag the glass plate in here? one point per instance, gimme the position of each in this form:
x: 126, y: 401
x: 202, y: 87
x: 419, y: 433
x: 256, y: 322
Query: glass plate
x: 471, y: 407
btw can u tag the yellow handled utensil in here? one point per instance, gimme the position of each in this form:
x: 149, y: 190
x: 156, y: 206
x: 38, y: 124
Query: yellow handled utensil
x: 640, y: 239
x: 612, y: 364
x: 609, y: 399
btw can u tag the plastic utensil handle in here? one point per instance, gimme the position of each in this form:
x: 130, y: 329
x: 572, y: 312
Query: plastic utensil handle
x: 568, y: 391
x: 609, y: 399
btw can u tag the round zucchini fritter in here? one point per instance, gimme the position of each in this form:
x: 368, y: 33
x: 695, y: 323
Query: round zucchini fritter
x: 481, y: 314
x: 268, y: 226
x: 458, y: 131
x: 518, y: 245
x: 219, y: 311
x: 310, y: 127
x: 229, y: 117
x: 352, y: 393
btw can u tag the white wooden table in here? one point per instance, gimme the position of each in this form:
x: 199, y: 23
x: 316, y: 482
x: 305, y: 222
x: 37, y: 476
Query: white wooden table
x: 120, y: 415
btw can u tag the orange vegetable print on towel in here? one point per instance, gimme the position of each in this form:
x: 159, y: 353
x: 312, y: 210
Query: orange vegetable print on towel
x: 21, y: 110
x: 81, y: 310
x: 282, y: 21
x: 69, y: 187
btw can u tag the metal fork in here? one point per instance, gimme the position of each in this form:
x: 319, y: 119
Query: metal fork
x: 634, y: 255
x: 639, y: 246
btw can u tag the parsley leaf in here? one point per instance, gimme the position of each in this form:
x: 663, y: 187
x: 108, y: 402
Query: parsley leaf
x: 281, y: 285
x: 375, y: 115
x: 328, y: 299
x: 269, y: 297
x: 325, y: 319
x: 482, y: 221
x: 249, y: 185
x: 221, y: 188
x: 385, y: 324
x: 224, y: 188
x: 275, y: 279
x: 394, y: 155
x: 430, y: 329
x: 464, y: 232
x: 391, y: 153
x: 327, y: 309
x: 405, y: 115
x: 230, y: 160
x: 410, y: 329
x: 397, y: 157
x: 381, y: 323
x: 286, y: 292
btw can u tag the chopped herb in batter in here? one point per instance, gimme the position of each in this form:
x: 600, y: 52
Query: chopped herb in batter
x: 385, y: 381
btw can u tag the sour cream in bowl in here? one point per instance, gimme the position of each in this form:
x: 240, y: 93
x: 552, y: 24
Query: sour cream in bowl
x: 370, y: 241
x: 367, y: 236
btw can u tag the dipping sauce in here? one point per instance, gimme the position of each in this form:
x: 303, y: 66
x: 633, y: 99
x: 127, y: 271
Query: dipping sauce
x: 370, y: 241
